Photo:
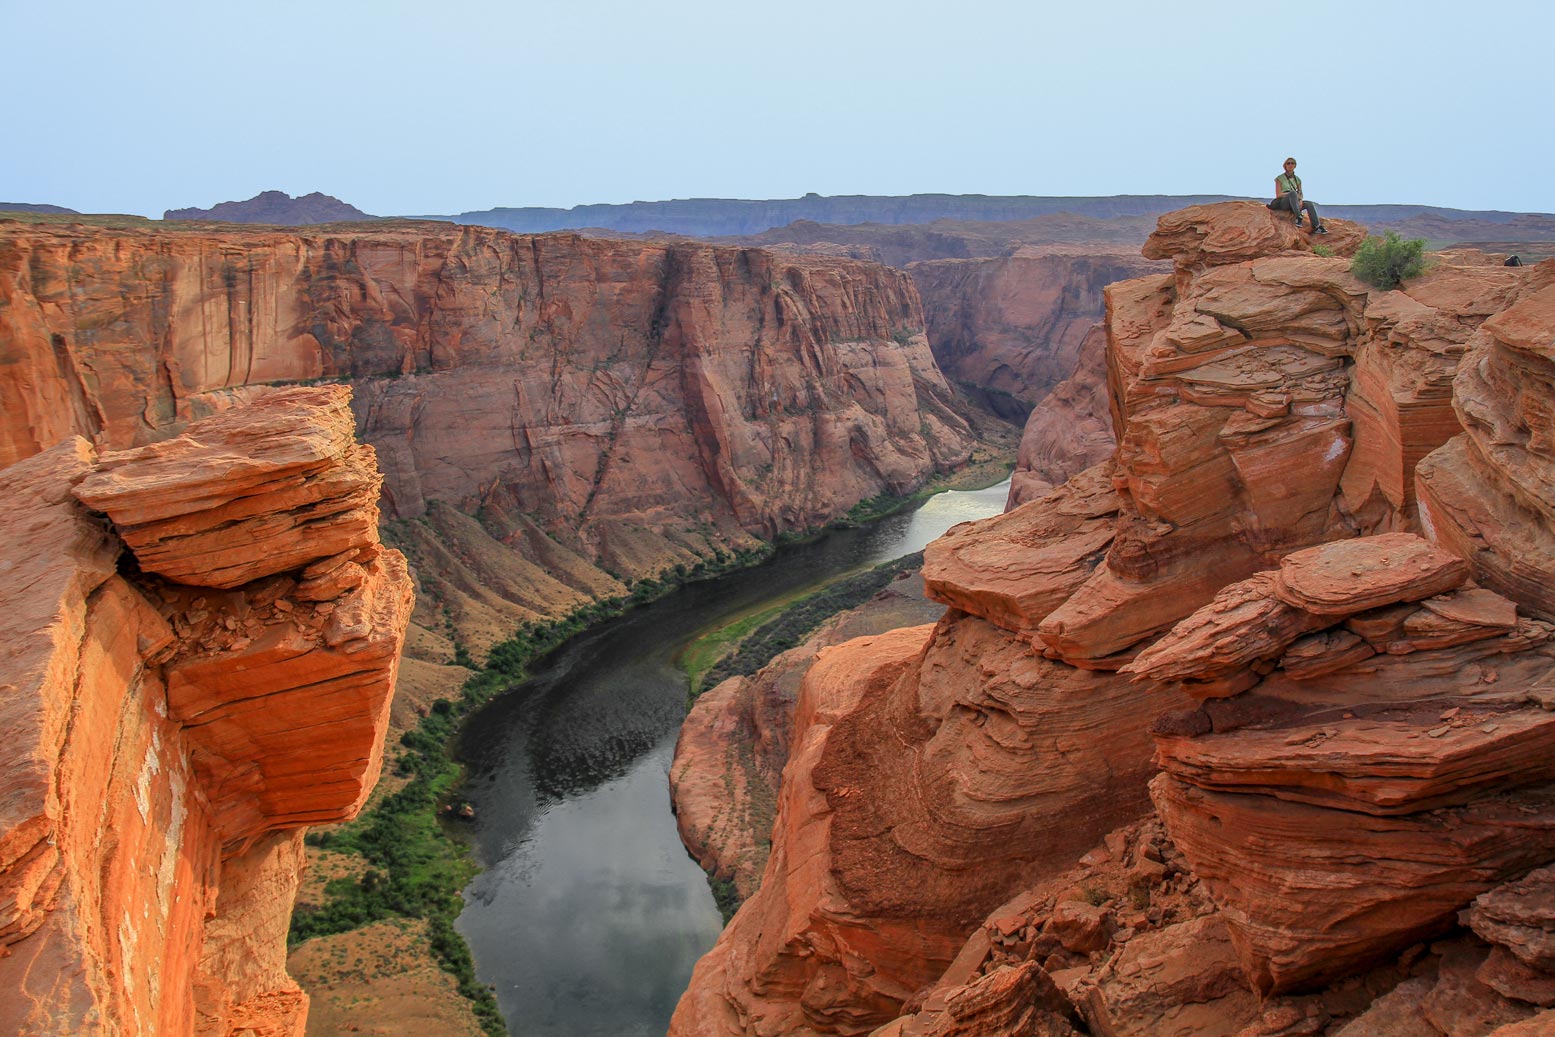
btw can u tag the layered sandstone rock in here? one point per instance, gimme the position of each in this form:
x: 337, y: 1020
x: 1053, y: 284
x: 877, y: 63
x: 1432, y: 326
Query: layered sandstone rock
x: 1363, y: 693
x: 1338, y: 738
x: 731, y: 751
x: 933, y: 771
x: 1489, y: 494
x: 1403, y: 736
x: 1518, y: 921
x: 1265, y: 402
x: 605, y: 410
x: 1014, y: 569
x: 1124, y: 944
x: 278, y: 485
x: 169, y: 741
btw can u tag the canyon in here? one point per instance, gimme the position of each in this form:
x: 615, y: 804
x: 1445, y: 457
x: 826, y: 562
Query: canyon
x: 1237, y: 732
x: 1271, y: 597
x: 545, y: 424
x: 556, y: 418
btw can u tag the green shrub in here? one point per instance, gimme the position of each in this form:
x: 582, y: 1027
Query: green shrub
x: 1323, y: 250
x: 1386, y: 261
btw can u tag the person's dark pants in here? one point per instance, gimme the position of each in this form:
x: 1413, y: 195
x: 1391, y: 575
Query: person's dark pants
x: 1287, y: 201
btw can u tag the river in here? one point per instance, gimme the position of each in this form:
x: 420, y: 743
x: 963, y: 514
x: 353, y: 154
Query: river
x: 589, y: 914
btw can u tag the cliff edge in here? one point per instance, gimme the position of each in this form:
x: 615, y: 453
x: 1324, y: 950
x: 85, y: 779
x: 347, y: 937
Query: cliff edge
x: 202, y: 637
x: 557, y: 418
x: 1218, y: 737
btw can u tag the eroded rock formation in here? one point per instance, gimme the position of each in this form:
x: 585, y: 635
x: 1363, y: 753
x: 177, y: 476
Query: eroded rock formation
x: 1317, y: 561
x: 736, y: 740
x: 170, y: 737
x: 605, y: 410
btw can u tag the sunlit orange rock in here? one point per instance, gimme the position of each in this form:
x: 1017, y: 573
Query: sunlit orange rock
x: 165, y: 756
x: 1014, y: 569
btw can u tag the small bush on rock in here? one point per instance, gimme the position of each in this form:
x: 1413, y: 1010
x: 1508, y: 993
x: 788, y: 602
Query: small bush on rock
x: 1386, y: 261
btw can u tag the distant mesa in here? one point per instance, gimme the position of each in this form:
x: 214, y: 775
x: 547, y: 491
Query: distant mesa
x: 276, y: 207
x: 903, y: 228
x: 59, y: 210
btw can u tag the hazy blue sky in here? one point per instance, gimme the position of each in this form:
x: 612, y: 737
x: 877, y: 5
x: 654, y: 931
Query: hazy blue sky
x: 446, y: 106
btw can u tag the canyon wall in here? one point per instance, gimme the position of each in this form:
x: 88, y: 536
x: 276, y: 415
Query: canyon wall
x: 202, y: 638
x: 555, y: 417
x: 1015, y: 325
x: 1027, y: 330
x: 1217, y: 737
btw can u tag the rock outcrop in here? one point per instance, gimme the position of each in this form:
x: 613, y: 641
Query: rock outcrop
x: 605, y: 410
x: 169, y: 739
x: 1315, y: 561
x: 732, y: 748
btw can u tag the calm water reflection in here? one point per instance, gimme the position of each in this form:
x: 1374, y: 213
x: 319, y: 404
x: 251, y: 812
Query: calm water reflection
x: 590, y: 915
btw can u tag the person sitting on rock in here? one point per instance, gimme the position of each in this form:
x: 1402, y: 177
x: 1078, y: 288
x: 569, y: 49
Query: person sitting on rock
x: 1287, y: 195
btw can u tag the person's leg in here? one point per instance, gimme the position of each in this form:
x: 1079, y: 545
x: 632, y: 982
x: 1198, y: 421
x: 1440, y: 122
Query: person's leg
x: 1312, y: 211
x: 1289, y: 203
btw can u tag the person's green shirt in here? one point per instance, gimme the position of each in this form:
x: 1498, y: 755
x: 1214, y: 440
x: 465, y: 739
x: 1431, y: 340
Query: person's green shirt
x: 1289, y: 182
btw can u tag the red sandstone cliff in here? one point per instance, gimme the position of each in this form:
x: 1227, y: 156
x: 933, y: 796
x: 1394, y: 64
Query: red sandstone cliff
x: 1353, y: 716
x: 606, y: 409
x: 202, y: 637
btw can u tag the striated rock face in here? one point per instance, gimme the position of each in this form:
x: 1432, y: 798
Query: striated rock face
x: 732, y: 748
x: 1489, y: 494
x: 1016, y: 324
x: 925, y: 783
x: 168, y: 741
x: 607, y: 409
x: 1264, y: 403
x: 207, y: 508
x: 1336, y: 680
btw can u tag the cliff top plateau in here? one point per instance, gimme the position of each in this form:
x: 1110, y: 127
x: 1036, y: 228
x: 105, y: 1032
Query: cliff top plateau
x: 276, y: 208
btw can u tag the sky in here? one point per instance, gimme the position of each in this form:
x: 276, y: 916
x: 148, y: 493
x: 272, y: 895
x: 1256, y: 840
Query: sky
x: 458, y: 105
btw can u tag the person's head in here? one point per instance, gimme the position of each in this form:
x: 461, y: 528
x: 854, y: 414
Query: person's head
x: 1290, y: 165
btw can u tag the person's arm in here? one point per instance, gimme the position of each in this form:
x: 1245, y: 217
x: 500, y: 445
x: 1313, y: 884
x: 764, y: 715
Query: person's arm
x: 1279, y: 188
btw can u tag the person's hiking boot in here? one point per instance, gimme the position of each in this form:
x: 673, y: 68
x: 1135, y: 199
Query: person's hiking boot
x: 1298, y: 222
x: 1319, y: 230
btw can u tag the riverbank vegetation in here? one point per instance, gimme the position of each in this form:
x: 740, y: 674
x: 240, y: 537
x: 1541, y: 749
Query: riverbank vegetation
x: 417, y: 860
x: 413, y: 857
x: 745, y: 645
